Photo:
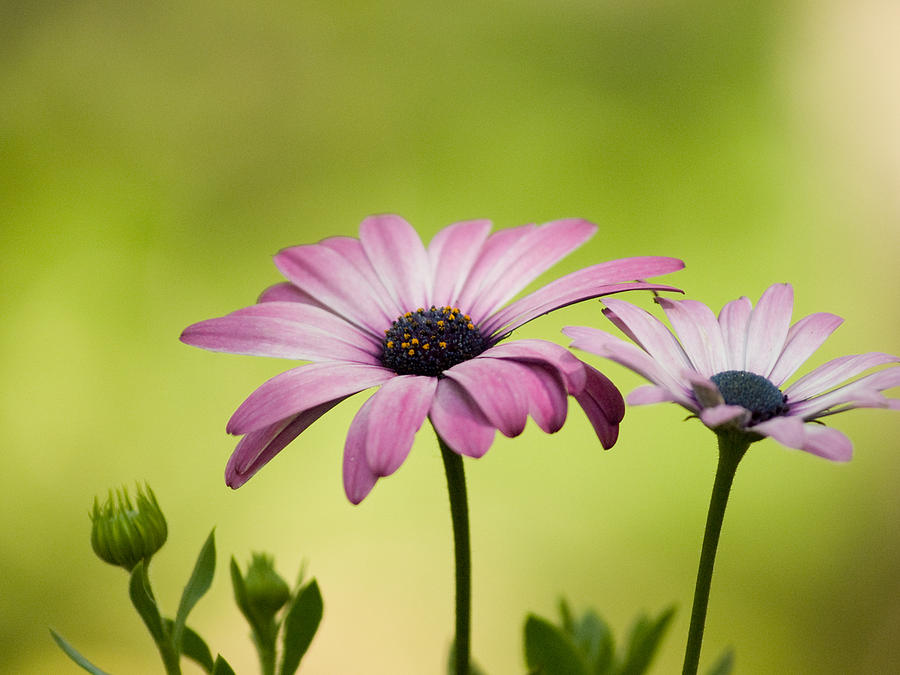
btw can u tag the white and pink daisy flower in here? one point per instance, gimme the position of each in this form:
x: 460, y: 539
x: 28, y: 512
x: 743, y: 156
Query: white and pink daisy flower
x: 424, y: 325
x: 731, y: 371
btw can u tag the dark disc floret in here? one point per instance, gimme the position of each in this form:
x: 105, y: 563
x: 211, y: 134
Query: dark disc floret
x: 751, y: 391
x: 429, y: 341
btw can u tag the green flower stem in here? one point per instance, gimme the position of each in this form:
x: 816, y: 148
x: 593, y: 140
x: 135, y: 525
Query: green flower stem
x: 459, y: 513
x: 732, y: 447
x: 167, y: 651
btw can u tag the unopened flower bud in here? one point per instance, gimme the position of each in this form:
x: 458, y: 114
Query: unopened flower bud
x: 124, y: 532
x: 266, y: 590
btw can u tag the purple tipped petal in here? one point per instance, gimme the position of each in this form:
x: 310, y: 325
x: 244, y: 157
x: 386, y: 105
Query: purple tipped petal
x: 451, y: 253
x: 496, y: 386
x: 337, y: 283
x: 287, y: 292
x: 527, y: 259
x: 301, y: 388
x: 396, y: 413
x: 548, y: 353
x: 733, y: 320
x: 827, y: 442
x: 699, y: 333
x: 724, y: 414
x: 286, y: 330
x: 788, y: 431
x: 768, y: 328
x: 835, y: 372
x: 705, y: 391
x: 459, y: 421
x: 255, y: 449
x: 803, y: 339
x: 399, y: 258
x: 602, y: 403
x: 359, y: 479
x: 605, y: 278
x: 862, y: 393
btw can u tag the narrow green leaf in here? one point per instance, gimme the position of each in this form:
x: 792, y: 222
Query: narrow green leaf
x: 194, y: 647
x: 594, y: 639
x: 565, y: 613
x: 196, y: 587
x: 75, y: 655
x: 145, y: 604
x: 300, y: 626
x: 725, y: 663
x: 240, y: 595
x: 221, y: 667
x: 549, y: 651
x: 644, y: 641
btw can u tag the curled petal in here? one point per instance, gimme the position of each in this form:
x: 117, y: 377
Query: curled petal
x: 459, y: 421
x: 547, y: 353
x: 721, y: 415
x: 359, y: 479
x: 602, y: 403
x: 705, y: 390
x: 496, y: 387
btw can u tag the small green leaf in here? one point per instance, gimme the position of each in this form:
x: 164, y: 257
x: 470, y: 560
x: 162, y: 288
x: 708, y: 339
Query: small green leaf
x: 221, y: 667
x: 644, y: 641
x: 300, y: 626
x: 196, y: 587
x: 549, y: 651
x: 565, y: 613
x: 75, y: 655
x: 594, y: 639
x: 725, y: 663
x: 240, y: 594
x: 145, y: 604
x: 194, y: 647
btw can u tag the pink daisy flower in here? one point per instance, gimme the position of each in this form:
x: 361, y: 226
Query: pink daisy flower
x: 731, y: 371
x: 425, y: 325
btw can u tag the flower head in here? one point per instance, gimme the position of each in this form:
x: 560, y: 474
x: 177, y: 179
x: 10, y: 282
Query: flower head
x: 731, y: 371
x: 425, y: 325
x: 123, y: 532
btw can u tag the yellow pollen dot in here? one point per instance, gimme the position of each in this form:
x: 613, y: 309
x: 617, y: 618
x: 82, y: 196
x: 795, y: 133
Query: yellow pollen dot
x: 467, y: 317
x: 411, y: 352
x: 414, y: 341
x: 408, y: 315
x: 390, y: 344
x: 442, y: 345
x: 406, y: 336
x: 404, y: 345
x: 452, y: 317
x: 420, y: 310
x: 470, y: 326
x: 440, y: 324
x: 426, y: 346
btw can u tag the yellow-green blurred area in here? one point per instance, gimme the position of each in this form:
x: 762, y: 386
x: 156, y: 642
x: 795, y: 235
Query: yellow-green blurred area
x: 154, y: 157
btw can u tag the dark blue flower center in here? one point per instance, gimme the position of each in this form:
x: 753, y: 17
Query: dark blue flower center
x: 751, y: 391
x: 429, y: 341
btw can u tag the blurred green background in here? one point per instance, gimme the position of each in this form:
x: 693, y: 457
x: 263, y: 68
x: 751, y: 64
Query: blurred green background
x: 155, y: 156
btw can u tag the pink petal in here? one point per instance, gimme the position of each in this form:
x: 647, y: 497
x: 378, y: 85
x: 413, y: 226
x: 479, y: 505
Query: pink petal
x: 352, y: 250
x: 459, y: 421
x: 608, y: 346
x: 396, y: 413
x: 786, y: 430
x: 768, y: 327
x: 451, y: 253
x: 724, y: 414
x: 527, y: 259
x: 827, y: 442
x: 604, y: 278
x: 833, y: 373
x: 705, y: 390
x: 650, y: 393
x: 602, y: 403
x: 337, y: 283
x: 803, y: 339
x: 699, y: 334
x: 301, y: 388
x: 287, y: 292
x: 548, y: 353
x: 496, y: 387
x: 286, y: 330
x: 861, y: 393
x: 733, y: 321
x: 547, y: 398
x: 255, y: 449
x: 359, y: 479
x: 399, y: 258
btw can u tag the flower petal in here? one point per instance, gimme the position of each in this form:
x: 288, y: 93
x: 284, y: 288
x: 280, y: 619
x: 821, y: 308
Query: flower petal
x: 862, y: 393
x: 257, y: 448
x: 827, y: 442
x: 359, y: 479
x: 301, y: 388
x: 527, y: 259
x: 396, y: 413
x: 803, y: 339
x: 495, y: 386
x: 699, y: 333
x: 287, y: 292
x: 399, y: 258
x: 451, y: 253
x: 835, y: 372
x: 650, y: 393
x: 287, y: 330
x: 602, y: 403
x: 459, y: 421
x: 705, y: 390
x: 337, y: 283
x: 768, y: 327
x: 733, y: 320
x: 548, y: 353
x: 604, y: 278
x: 786, y: 430
x: 721, y: 415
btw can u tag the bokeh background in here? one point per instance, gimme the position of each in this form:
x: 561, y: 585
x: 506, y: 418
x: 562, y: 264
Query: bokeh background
x: 155, y: 155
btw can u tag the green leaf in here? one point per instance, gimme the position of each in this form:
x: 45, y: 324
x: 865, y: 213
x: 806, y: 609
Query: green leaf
x: 197, y: 585
x: 240, y: 594
x: 644, y: 641
x: 549, y: 651
x: 145, y: 604
x: 300, y: 626
x: 725, y: 663
x: 75, y: 656
x: 565, y: 613
x: 194, y: 647
x: 594, y: 639
x: 221, y: 667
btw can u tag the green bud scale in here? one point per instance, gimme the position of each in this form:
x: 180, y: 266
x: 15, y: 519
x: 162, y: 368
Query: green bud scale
x: 124, y: 532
